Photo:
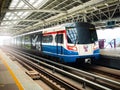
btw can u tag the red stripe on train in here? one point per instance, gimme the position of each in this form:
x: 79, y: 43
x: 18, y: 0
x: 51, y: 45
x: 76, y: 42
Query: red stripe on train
x: 56, y: 32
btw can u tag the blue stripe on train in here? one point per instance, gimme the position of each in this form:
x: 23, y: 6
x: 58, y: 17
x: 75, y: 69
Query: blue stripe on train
x: 65, y: 55
x: 58, y: 50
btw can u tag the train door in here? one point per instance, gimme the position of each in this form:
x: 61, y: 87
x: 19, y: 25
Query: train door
x: 59, y: 43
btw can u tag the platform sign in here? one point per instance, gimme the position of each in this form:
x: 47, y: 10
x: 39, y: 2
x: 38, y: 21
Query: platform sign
x: 110, y: 24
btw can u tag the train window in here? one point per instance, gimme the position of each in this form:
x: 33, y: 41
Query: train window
x: 18, y: 41
x: 86, y: 33
x: 27, y: 42
x: 47, y: 39
x: 59, y: 38
x: 71, y: 34
x: 22, y: 41
x: 93, y: 35
x: 82, y: 33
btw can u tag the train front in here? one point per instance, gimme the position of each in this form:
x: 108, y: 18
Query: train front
x: 84, y: 38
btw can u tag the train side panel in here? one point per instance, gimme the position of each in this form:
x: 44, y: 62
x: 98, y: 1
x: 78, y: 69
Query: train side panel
x: 71, y: 43
x: 55, y: 44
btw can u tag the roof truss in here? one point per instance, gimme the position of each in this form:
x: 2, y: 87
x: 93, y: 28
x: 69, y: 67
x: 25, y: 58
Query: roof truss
x: 27, y: 15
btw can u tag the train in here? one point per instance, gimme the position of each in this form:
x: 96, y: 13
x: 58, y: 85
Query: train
x: 69, y: 42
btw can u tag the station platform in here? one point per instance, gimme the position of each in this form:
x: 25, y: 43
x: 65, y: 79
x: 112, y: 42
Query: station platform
x: 113, y: 52
x: 110, y: 57
x: 12, y: 77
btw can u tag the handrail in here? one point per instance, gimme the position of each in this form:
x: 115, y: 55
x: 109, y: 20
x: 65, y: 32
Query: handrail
x: 110, y: 43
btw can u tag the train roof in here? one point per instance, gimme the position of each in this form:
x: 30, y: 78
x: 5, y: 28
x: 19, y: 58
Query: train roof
x: 62, y: 26
x: 59, y: 27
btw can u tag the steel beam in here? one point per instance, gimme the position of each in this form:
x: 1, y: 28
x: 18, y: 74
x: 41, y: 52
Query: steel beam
x: 13, y: 25
x: 33, y: 10
x: 20, y: 20
x: 28, y: 4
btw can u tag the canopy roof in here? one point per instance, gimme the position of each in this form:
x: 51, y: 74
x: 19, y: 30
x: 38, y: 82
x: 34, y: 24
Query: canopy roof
x: 20, y: 16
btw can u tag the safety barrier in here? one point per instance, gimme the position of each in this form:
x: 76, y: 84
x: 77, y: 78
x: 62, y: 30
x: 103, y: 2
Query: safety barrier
x: 102, y: 45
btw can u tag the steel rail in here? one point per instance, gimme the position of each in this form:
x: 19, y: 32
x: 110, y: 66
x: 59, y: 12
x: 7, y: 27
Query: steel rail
x: 67, y: 73
x: 48, y: 74
x: 43, y: 77
x: 77, y: 70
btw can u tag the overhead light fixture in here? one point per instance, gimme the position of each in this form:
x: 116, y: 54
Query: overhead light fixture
x: 106, y: 4
x: 95, y: 8
x: 85, y: 11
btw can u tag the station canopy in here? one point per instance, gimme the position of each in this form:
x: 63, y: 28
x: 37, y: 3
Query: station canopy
x: 21, y: 16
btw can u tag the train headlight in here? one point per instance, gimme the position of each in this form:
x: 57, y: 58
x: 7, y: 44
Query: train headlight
x: 74, y: 48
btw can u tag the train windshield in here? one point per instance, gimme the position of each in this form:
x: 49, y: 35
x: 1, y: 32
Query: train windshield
x: 81, y: 33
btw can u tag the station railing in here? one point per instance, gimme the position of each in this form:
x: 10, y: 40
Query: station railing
x: 111, y: 43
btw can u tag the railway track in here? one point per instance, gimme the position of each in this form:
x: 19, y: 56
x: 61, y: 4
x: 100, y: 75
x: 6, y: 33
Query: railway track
x: 113, y: 74
x: 52, y: 80
x: 87, y: 79
x: 105, y: 71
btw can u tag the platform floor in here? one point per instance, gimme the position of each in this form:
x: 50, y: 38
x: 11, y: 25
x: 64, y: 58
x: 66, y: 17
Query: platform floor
x: 115, y: 52
x: 6, y: 80
x: 12, y: 77
x: 110, y: 57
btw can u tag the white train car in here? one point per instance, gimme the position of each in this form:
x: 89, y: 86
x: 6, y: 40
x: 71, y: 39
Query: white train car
x: 69, y: 42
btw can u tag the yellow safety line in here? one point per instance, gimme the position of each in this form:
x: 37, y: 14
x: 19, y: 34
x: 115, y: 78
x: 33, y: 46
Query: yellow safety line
x: 12, y: 73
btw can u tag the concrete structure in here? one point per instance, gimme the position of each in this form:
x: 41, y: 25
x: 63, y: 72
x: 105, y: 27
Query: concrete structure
x: 12, y: 77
